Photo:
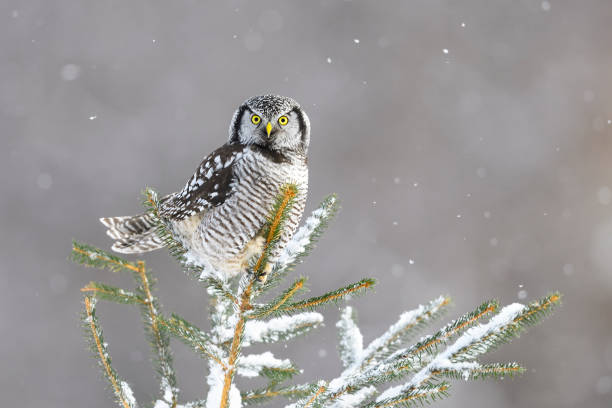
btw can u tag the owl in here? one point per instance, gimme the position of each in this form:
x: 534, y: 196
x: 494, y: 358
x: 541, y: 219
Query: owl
x: 221, y: 211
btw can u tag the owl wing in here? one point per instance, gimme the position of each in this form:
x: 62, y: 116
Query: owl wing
x: 209, y: 187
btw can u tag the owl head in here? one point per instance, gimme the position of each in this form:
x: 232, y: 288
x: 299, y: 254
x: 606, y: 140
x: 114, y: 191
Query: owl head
x: 273, y: 122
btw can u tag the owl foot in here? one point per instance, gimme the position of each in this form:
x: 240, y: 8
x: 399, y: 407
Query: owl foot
x: 263, y: 276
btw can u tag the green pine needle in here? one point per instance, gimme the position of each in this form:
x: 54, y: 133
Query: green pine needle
x: 335, y: 296
x: 427, y: 314
x: 94, y: 257
x: 193, y: 337
x: 278, y: 374
x: 324, y: 213
x: 530, y: 316
x: 264, y: 395
x: 99, y: 348
x: 279, y: 301
x: 113, y: 294
x: 274, y: 225
x: 431, y: 343
x: 414, y: 397
x: 495, y: 370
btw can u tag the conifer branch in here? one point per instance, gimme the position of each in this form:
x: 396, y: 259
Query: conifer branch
x: 278, y: 302
x: 218, y: 288
x: 529, y: 316
x: 279, y: 374
x: 264, y: 395
x: 266, y: 365
x: 458, y: 358
x: 273, y: 228
x: 407, y: 323
x: 90, y: 256
x: 452, y: 329
x: 193, y: 337
x: 280, y: 328
x: 351, y: 339
x: 303, y: 241
x: 333, y: 296
x: 94, y: 257
x: 402, y: 362
x: 236, y: 340
x: 113, y: 294
x: 321, y: 389
x: 144, y: 281
x: 307, y: 236
x: 121, y: 389
x: 417, y: 396
x: 353, y: 398
x: 272, y: 233
x: 160, y: 341
x: 480, y: 372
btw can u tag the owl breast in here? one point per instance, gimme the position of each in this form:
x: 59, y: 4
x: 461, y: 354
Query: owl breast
x: 228, y: 235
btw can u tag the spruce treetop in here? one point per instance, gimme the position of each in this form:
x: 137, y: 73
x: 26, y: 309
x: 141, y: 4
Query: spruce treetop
x: 240, y: 318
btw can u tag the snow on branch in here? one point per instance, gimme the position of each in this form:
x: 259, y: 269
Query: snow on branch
x: 263, y: 395
x: 407, y: 323
x: 351, y: 339
x: 423, y: 358
x: 303, y: 241
x: 458, y: 359
x: 414, y: 397
x: 355, y: 399
x: 443, y: 361
x: 255, y: 365
x: 307, y: 235
x: 280, y: 328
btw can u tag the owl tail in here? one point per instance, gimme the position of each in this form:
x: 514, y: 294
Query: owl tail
x: 133, y: 235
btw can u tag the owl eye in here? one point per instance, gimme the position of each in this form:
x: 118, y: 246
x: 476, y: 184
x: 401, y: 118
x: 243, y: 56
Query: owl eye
x: 255, y: 119
x: 283, y: 120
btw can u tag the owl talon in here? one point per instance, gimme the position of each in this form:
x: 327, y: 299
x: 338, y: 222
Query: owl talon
x: 263, y: 276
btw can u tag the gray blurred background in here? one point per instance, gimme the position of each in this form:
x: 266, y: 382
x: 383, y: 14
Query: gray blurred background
x: 470, y: 143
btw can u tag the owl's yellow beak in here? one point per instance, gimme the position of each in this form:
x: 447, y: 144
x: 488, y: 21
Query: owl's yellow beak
x: 269, y: 128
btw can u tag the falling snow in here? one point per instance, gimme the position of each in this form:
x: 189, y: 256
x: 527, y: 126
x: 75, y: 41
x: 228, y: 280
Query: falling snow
x: 604, y: 195
x: 44, y: 181
x: 70, y: 72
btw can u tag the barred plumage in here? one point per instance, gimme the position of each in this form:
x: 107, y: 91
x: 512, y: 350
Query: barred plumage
x: 220, y: 212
